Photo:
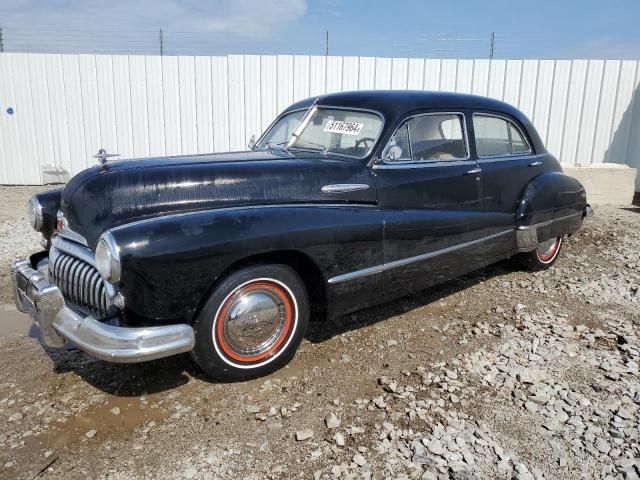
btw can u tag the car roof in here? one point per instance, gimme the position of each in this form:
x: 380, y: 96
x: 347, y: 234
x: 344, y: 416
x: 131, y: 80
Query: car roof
x: 394, y: 104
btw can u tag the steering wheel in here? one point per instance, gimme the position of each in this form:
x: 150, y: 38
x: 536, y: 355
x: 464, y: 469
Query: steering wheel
x: 364, y: 140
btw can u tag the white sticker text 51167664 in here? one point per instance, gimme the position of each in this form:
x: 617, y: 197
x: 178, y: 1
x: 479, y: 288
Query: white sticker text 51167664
x: 346, y: 128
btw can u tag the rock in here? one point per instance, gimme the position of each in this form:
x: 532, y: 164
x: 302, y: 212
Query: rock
x: 379, y: 402
x: 451, y: 374
x: 602, y: 445
x: 622, y: 413
x: 190, y: 472
x: 339, y: 439
x: 561, y: 416
x: 253, y: 408
x: 115, y: 411
x: 359, y: 460
x: 435, y: 447
x: 15, y: 417
x: 66, y: 397
x: 90, y: 434
x: 420, y: 456
x: 332, y: 421
x: 531, y: 407
x: 305, y: 434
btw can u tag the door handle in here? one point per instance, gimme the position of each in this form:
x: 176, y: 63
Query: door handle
x: 473, y: 171
x: 535, y: 164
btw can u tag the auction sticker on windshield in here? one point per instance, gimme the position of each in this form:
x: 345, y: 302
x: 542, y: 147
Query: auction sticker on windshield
x: 346, y: 128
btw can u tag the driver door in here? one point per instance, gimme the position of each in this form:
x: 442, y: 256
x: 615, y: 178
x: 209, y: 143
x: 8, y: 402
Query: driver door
x: 429, y: 190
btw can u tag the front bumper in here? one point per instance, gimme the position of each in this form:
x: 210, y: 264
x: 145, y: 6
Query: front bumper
x: 59, y: 324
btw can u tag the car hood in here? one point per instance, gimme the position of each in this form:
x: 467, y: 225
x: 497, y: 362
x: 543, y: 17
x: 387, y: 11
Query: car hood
x: 105, y: 196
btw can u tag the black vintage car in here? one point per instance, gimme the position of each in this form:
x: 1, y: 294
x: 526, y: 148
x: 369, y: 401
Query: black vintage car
x: 347, y: 200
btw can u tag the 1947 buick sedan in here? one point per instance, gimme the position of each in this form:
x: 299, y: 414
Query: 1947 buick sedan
x: 346, y: 200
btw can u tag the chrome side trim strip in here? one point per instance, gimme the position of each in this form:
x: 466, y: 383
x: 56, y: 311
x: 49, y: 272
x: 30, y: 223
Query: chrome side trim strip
x: 406, y: 261
x: 344, y: 187
x: 548, y: 222
x: 422, y: 164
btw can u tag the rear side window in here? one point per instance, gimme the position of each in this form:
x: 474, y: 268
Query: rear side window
x: 428, y: 137
x: 498, y: 137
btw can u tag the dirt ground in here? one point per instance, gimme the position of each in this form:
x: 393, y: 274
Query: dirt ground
x: 500, y: 374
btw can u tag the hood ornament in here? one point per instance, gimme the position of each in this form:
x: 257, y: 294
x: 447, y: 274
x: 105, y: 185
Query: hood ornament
x: 102, y: 156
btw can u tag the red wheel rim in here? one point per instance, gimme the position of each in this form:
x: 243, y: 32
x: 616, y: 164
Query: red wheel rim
x: 254, y: 321
x: 547, y: 251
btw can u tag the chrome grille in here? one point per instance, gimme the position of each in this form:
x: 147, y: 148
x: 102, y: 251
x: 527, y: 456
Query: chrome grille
x: 81, y: 284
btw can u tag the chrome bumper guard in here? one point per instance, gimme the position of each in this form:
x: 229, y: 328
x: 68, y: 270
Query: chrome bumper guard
x: 58, y: 324
x: 588, y: 212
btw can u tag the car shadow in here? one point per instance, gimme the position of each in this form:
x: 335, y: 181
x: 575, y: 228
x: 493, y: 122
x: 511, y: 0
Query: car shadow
x: 632, y: 209
x: 166, y: 374
x: 322, y: 331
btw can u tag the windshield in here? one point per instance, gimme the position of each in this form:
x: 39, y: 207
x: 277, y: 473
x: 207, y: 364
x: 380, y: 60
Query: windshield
x: 280, y: 133
x: 329, y: 130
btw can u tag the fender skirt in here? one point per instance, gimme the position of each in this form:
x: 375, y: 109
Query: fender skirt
x: 553, y: 204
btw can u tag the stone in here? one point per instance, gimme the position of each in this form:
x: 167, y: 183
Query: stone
x: 253, y: 408
x: 531, y: 407
x: 90, y: 434
x: 189, y: 472
x: 339, y: 439
x: 435, y: 447
x: 115, y: 411
x: 359, y: 460
x: 332, y: 421
x: 302, y: 435
x: 379, y: 402
x: 603, y: 446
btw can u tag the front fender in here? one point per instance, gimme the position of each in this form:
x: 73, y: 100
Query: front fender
x: 169, y: 263
x: 552, y: 204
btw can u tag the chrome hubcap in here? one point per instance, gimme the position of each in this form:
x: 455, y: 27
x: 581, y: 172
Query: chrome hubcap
x: 254, y: 321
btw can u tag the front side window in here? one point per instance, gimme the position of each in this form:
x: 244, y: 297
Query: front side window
x: 497, y: 137
x: 281, y: 132
x: 345, y: 132
x: 428, y: 137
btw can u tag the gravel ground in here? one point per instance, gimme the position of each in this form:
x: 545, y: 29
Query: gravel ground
x: 501, y: 374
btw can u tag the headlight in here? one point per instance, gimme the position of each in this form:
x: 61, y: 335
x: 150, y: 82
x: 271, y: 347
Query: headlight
x: 34, y: 213
x: 108, y: 258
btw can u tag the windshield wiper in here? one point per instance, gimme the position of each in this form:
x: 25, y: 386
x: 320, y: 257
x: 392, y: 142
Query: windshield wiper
x: 316, y: 147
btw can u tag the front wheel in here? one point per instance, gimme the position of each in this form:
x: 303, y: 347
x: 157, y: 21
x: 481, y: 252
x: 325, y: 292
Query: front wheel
x: 542, y: 257
x: 252, y: 324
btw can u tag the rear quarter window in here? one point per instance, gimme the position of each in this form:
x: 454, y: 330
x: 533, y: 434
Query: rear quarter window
x: 497, y: 137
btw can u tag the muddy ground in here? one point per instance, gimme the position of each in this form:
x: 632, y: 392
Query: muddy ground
x: 501, y: 374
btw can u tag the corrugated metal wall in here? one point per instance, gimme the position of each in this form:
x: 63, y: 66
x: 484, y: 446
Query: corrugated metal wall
x: 66, y: 107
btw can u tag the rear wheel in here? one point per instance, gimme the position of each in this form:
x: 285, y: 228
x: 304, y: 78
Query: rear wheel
x: 542, y: 257
x: 252, y: 324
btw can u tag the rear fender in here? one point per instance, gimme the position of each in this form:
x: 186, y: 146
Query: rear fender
x: 553, y: 204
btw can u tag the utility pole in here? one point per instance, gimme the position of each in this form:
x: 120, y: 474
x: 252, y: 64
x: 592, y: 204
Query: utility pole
x: 161, y: 43
x: 1, y: 41
x: 326, y: 43
x: 493, y: 45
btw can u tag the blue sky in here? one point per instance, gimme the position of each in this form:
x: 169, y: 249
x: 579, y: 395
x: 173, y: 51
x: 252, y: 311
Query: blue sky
x: 408, y: 28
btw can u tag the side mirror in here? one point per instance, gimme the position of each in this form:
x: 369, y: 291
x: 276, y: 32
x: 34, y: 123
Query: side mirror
x: 252, y: 142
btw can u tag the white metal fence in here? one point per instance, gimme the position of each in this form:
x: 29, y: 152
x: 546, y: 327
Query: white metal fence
x: 56, y: 111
